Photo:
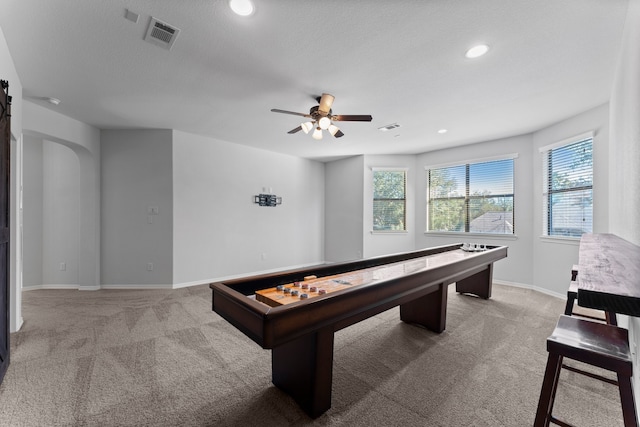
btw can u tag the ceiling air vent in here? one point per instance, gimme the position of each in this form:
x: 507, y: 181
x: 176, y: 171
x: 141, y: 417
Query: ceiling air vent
x: 161, y: 34
x: 389, y: 127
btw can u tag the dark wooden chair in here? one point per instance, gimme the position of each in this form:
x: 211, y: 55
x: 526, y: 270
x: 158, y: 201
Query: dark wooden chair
x: 597, y: 344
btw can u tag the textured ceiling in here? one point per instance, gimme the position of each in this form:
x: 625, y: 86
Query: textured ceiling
x: 400, y: 61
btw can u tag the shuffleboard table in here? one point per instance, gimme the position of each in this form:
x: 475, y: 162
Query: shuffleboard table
x: 295, y: 313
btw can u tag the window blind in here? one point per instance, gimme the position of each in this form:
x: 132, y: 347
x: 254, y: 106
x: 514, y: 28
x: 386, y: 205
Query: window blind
x: 473, y: 198
x: 568, y: 189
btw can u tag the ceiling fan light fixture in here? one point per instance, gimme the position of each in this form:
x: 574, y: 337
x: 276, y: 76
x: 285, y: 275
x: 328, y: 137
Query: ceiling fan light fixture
x: 333, y: 129
x: 324, y: 122
x: 241, y: 7
x: 306, y: 126
x: 317, y: 134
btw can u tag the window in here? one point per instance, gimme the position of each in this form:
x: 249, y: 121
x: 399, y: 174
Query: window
x: 389, y: 200
x: 568, y: 187
x: 471, y: 198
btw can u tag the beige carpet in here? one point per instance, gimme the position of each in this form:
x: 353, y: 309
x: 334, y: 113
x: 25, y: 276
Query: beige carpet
x: 163, y: 358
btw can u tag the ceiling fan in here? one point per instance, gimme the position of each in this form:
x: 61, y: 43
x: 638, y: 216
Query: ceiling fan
x: 321, y: 118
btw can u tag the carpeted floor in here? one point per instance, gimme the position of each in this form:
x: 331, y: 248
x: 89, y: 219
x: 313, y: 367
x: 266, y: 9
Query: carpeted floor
x: 163, y: 358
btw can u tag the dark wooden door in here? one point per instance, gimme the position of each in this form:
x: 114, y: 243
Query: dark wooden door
x: 5, y: 162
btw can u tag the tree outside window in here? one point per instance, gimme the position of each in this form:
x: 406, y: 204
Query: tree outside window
x: 389, y: 200
x: 471, y: 198
x: 568, y: 189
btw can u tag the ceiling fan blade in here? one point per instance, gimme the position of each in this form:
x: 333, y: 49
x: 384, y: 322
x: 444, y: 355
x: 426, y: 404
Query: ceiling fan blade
x: 298, y: 129
x: 326, y: 101
x: 275, y: 110
x: 352, y: 118
x: 338, y: 134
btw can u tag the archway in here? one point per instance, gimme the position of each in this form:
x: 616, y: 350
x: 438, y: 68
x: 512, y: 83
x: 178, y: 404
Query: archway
x: 88, y: 259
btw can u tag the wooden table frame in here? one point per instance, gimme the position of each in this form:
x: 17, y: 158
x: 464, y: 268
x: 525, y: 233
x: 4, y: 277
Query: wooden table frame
x: 301, y: 335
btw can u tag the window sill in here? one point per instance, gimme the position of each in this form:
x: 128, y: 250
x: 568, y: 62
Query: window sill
x: 389, y: 232
x: 474, y: 235
x: 561, y: 240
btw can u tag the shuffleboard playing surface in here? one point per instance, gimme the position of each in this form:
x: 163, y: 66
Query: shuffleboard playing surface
x: 315, y: 287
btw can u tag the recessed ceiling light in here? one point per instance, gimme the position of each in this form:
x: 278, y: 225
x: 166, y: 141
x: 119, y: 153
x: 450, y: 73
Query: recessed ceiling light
x: 477, y: 51
x: 443, y: 131
x: 54, y: 101
x: 241, y: 7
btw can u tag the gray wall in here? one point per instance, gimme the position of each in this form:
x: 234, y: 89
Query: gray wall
x: 218, y: 229
x: 344, y: 196
x: 84, y: 141
x: 624, y: 155
x: 136, y: 175
x: 8, y: 72
x: 51, y: 215
x: 60, y: 215
x: 32, y: 195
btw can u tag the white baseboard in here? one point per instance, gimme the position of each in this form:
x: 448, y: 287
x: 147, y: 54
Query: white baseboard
x: 136, y: 287
x: 93, y: 287
x: 49, y: 286
x: 533, y: 288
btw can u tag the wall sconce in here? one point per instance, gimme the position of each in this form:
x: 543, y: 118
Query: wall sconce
x: 267, y: 200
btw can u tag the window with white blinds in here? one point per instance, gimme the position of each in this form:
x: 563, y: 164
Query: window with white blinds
x: 471, y: 198
x: 568, y: 188
x: 389, y: 200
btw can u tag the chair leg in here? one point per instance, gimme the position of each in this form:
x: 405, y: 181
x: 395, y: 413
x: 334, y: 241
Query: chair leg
x: 548, y: 392
x: 568, y: 309
x: 626, y: 399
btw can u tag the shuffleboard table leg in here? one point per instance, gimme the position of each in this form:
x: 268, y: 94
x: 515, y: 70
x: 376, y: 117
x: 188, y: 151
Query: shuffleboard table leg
x: 479, y: 284
x: 429, y: 310
x: 303, y: 368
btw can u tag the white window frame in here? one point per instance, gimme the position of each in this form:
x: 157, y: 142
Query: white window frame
x: 510, y: 156
x: 546, y: 192
x: 373, y: 199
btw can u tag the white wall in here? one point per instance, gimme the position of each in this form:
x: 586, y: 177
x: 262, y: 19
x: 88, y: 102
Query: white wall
x: 553, y: 257
x: 382, y: 243
x: 33, y: 182
x: 51, y: 203
x: 624, y: 154
x: 220, y: 232
x: 136, y: 175
x: 517, y: 267
x: 624, y: 165
x: 60, y: 171
x: 344, y: 214
x: 9, y: 73
x: 45, y: 124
